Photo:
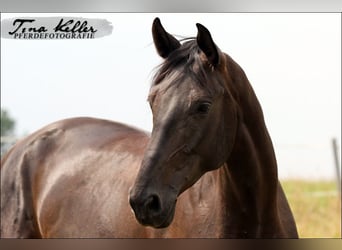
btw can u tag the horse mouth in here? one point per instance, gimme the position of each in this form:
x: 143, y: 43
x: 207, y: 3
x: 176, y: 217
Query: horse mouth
x: 166, y: 220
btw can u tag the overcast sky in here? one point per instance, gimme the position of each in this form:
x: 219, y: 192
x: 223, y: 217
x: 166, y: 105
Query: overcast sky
x: 293, y: 62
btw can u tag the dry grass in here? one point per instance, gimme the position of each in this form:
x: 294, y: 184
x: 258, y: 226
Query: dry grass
x: 316, y: 207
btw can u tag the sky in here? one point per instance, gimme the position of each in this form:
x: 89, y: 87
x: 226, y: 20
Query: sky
x: 292, y: 60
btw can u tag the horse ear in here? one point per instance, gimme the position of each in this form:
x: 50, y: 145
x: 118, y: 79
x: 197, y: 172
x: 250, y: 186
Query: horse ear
x: 164, y: 42
x: 207, y: 45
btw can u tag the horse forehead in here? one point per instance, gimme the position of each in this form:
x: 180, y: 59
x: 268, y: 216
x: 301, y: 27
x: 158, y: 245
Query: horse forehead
x: 178, y: 86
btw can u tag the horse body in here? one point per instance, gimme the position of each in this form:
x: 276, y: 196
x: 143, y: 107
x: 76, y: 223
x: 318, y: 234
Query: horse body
x: 70, y: 178
x: 73, y: 180
x: 208, y: 169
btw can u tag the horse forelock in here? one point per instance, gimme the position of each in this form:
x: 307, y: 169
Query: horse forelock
x: 186, y: 62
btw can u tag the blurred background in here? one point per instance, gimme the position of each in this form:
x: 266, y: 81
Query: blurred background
x: 293, y: 61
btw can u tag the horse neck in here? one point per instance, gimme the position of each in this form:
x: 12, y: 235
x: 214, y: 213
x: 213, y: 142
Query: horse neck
x: 250, y: 174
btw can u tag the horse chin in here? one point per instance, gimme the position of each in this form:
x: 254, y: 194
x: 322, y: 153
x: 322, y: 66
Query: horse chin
x: 167, y: 221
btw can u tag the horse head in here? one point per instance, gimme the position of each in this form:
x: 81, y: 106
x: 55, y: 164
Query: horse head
x: 194, y: 123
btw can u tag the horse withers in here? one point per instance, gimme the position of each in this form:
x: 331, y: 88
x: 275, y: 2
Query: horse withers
x: 208, y: 169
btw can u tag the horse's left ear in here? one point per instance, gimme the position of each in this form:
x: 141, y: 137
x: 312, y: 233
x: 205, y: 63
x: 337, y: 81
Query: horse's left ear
x: 207, y: 45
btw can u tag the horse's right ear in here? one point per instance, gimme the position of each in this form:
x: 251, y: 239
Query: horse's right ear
x: 163, y: 41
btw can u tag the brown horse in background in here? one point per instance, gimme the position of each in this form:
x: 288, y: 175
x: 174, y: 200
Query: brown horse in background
x: 207, y: 170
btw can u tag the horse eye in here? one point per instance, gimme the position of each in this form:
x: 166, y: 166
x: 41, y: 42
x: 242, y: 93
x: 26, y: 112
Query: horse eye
x: 203, y: 108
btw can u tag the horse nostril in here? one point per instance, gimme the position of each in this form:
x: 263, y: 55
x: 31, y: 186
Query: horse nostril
x: 153, y: 203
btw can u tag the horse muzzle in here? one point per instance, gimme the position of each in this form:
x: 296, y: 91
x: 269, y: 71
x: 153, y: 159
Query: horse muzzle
x: 150, y: 210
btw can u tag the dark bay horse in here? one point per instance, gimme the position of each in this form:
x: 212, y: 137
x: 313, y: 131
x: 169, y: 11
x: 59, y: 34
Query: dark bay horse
x: 208, y: 169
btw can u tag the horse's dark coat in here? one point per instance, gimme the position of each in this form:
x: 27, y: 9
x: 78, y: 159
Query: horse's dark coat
x: 207, y: 170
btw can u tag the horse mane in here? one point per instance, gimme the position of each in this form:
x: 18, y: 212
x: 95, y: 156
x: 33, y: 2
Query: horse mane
x: 186, y: 60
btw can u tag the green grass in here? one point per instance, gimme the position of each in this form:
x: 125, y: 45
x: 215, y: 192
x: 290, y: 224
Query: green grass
x: 316, y: 207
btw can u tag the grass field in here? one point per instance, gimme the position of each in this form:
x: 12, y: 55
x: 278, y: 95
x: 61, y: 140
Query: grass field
x: 316, y: 207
